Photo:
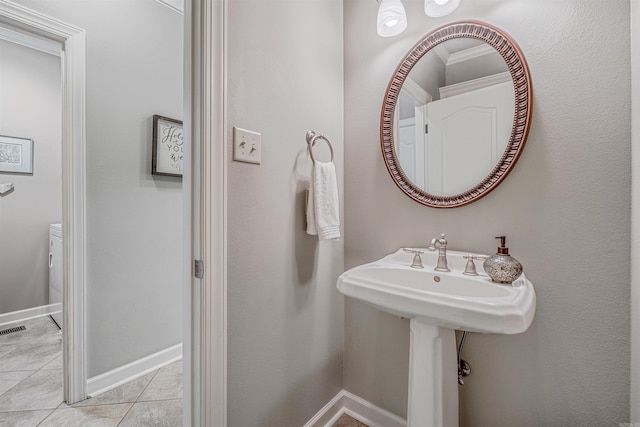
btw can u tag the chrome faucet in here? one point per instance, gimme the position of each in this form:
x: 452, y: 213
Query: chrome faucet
x: 440, y: 243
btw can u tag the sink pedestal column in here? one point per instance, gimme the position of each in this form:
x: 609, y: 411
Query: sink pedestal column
x: 433, y: 376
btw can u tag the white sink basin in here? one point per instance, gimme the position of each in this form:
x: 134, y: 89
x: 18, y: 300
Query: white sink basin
x: 438, y: 303
x: 451, y: 300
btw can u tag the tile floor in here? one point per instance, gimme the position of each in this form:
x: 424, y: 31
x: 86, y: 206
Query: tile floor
x: 31, y: 387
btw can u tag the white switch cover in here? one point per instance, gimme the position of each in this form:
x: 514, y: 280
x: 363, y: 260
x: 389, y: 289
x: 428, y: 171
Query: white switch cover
x: 247, y: 146
x: 5, y: 187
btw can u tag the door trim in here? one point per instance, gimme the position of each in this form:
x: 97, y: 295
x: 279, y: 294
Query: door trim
x: 73, y: 60
x: 205, y: 190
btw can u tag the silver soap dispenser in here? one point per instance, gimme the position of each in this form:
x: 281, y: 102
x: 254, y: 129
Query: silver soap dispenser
x: 502, y: 267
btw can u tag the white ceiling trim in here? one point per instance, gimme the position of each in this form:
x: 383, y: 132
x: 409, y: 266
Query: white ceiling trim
x: 449, y: 58
x: 49, y: 46
x: 471, y: 85
x: 442, y: 53
x: 416, y: 92
x: 474, y: 52
x: 175, y: 5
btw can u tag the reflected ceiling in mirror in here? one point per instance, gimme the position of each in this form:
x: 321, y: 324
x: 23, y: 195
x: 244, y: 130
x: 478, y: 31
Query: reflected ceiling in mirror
x: 456, y: 114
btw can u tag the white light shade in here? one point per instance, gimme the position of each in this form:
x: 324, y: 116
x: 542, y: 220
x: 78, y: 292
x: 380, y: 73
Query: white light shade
x: 436, y: 8
x: 392, y: 19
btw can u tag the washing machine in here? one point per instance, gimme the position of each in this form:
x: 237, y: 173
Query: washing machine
x: 55, y: 270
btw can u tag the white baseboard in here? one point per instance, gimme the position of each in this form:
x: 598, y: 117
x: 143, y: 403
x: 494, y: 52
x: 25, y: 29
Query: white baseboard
x: 328, y: 415
x: 356, y: 407
x: 29, y: 313
x: 115, y: 377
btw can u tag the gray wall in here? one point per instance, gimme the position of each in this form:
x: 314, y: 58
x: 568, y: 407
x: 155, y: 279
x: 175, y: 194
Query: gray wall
x: 134, y: 219
x: 635, y: 217
x: 565, y: 209
x: 430, y: 74
x: 30, y: 107
x: 476, y: 68
x: 285, y: 316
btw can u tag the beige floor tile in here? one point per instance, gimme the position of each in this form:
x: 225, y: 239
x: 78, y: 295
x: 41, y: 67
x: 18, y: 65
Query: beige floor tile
x: 7, y: 348
x: 23, y: 418
x: 10, y: 379
x: 88, y: 416
x: 31, y: 388
x: 30, y: 356
x: 42, y: 390
x: 162, y: 413
x: 55, y: 363
x: 167, y: 384
x: 41, y: 329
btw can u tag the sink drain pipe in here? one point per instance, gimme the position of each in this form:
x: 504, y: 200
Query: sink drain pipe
x: 464, y: 369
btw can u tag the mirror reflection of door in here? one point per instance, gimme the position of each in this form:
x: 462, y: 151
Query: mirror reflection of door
x: 453, y: 117
x: 411, y: 130
x: 468, y: 134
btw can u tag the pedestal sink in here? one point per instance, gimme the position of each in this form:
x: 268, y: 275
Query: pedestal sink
x: 438, y: 303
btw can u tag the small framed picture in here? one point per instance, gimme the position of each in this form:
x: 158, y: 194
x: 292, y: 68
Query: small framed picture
x: 168, y: 144
x: 16, y: 155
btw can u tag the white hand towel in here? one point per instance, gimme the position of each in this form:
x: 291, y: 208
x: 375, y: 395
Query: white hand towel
x: 323, y: 211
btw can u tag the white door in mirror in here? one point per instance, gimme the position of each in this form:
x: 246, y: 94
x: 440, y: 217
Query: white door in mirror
x: 468, y: 134
x: 247, y: 146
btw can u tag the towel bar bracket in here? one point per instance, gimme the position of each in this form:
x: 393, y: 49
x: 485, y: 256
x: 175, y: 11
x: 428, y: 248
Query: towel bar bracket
x: 312, y: 137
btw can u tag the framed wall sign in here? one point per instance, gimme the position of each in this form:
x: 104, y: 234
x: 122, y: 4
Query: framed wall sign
x: 16, y: 155
x: 167, y: 144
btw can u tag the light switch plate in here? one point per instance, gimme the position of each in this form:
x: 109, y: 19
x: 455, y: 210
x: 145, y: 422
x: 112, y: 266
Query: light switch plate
x: 247, y: 146
x: 5, y: 187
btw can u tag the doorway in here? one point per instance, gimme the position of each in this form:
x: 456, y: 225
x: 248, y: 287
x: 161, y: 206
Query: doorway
x: 73, y: 183
x: 204, y: 204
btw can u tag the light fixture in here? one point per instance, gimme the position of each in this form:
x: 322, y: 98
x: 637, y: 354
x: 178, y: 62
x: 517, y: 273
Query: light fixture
x: 437, y: 8
x: 392, y: 19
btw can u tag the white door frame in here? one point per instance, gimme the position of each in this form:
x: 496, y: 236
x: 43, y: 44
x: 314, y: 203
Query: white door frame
x: 73, y: 185
x: 205, y: 339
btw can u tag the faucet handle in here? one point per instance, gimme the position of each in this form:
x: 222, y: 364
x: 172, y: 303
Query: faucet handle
x: 470, y: 268
x: 437, y: 242
x: 417, y: 260
x: 412, y: 250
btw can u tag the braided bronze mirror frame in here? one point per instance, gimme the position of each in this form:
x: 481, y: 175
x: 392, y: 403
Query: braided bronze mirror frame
x: 519, y: 71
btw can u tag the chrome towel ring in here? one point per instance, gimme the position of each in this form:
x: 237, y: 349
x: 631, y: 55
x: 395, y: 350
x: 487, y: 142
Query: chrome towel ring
x: 312, y: 137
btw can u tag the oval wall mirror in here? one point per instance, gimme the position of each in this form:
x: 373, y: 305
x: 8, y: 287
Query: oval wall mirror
x: 456, y: 114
